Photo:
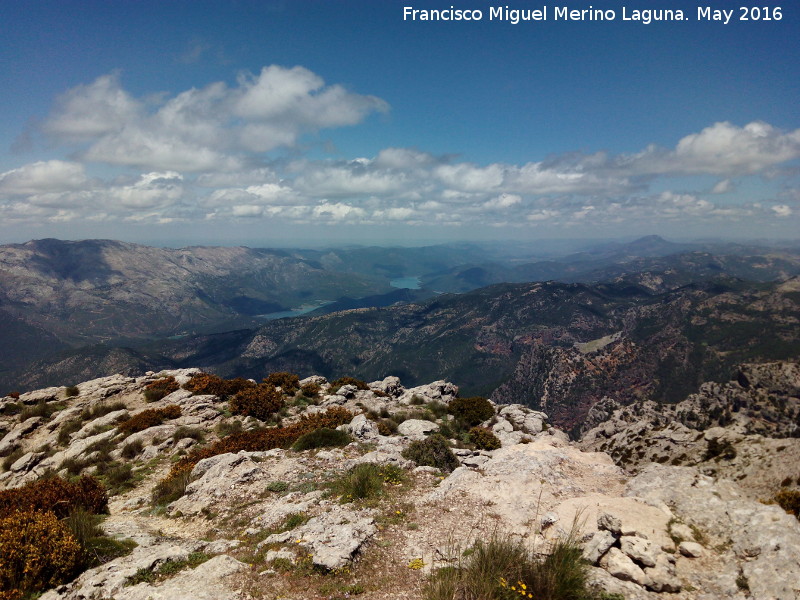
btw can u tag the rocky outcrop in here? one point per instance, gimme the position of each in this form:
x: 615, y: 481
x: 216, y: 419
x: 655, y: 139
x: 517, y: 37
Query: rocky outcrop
x: 737, y: 430
x: 669, y: 531
x: 331, y: 538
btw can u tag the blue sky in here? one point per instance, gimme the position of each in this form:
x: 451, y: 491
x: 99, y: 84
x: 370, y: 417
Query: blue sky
x: 304, y: 122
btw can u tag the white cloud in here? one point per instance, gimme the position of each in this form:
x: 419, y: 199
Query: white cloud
x: 782, y: 210
x: 93, y: 110
x: 195, y: 153
x: 502, y: 201
x: 721, y: 149
x: 723, y: 187
x: 207, y: 129
x: 338, y: 211
x: 42, y: 177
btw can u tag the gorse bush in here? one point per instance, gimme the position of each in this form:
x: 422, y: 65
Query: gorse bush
x: 336, y: 384
x: 471, y: 411
x: 38, y: 552
x: 310, y: 389
x: 288, y: 382
x: 158, y: 389
x: 433, y: 451
x: 261, y: 439
x: 322, y: 438
x: 206, y: 383
x: 56, y: 495
x: 789, y: 500
x: 484, y: 439
x: 149, y: 418
x: 261, y: 401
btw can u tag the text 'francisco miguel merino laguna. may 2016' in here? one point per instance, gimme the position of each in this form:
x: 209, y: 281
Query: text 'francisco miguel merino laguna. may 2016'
x: 515, y: 16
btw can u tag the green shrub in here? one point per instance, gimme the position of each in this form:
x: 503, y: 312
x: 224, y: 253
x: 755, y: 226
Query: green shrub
x: 365, y: 481
x: 40, y: 409
x: 173, y: 486
x: 387, y: 427
x: 101, y: 409
x: 72, y: 391
x: 149, y: 417
x: 184, y: 432
x: 501, y: 567
x: 261, y: 401
x: 322, y: 438
x: 67, y: 429
x: 718, y: 450
x: 471, y: 411
x: 433, y: 451
x: 56, y: 495
x: 288, y: 382
x: 277, y: 486
x: 38, y: 552
x: 484, y: 439
x: 158, y: 389
x: 12, y: 408
x: 132, y: 449
x: 226, y: 428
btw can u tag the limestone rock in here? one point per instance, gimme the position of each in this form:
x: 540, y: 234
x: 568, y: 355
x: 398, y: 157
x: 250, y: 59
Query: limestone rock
x: 608, y: 522
x: 226, y: 474
x: 622, y: 567
x: 690, y: 549
x: 361, y: 428
x: 440, y: 391
x: 43, y: 395
x: 417, y: 428
x: 389, y: 385
x: 599, y: 544
x: 331, y: 537
x: 662, y: 575
x: 765, y: 537
x: 26, y: 462
x: 640, y: 550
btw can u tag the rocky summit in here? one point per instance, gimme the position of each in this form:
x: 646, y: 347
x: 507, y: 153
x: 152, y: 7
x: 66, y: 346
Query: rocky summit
x: 186, y: 485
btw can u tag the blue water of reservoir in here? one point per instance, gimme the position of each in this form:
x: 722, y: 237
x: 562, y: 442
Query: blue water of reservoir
x: 405, y: 283
x: 295, y: 312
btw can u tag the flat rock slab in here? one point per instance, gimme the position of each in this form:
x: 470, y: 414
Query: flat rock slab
x: 332, y: 537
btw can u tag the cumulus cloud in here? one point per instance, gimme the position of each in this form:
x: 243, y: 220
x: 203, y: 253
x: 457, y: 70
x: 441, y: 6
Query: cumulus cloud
x: 42, y: 177
x: 723, y: 187
x: 207, y: 129
x: 721, y: 149
x: 782, y: 210
x: 199, y: 158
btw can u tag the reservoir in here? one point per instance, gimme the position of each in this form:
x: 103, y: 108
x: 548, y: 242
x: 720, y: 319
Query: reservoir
x: 405, y: 283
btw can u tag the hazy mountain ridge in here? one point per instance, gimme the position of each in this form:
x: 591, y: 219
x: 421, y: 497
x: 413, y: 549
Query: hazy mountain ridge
x: 98, y: 290
x: 552, y: 346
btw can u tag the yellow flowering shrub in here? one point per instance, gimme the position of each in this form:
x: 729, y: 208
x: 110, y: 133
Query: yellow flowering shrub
x: 37, y: 551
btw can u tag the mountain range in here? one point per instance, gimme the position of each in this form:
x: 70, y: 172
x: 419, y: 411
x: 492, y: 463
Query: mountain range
x: 646, y: 320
